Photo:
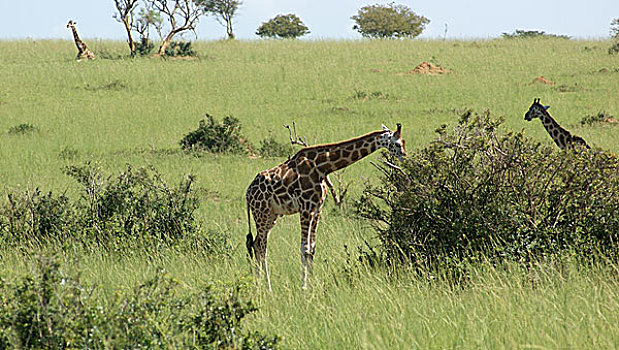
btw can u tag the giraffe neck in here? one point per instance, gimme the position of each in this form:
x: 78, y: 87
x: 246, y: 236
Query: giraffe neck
x: 76, y: 37
x: 334, y: 156
x: 559, y: 135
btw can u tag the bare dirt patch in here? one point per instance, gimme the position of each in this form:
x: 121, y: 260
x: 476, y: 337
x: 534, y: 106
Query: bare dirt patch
x: 543, y: 81
x: 429, y: 68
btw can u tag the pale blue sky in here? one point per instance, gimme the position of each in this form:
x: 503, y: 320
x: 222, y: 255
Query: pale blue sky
x: 327, y: 19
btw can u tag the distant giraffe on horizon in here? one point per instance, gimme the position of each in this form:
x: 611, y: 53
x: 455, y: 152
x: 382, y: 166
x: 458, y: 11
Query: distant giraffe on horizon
x: 82, y: 49
x: 299, y: 186
x: 563, y: 138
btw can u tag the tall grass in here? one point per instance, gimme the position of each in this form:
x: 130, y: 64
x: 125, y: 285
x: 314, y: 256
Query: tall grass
x: 122, y: 110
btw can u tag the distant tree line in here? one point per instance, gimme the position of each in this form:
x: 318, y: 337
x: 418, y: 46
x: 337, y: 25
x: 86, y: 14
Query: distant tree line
x: 168, y: 18
x: 527, y: 34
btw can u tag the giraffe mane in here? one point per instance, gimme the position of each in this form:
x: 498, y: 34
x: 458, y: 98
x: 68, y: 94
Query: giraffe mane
x: 325, y: 145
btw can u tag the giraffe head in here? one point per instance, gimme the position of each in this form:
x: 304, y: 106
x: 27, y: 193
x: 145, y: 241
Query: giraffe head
x: 537, y: 110
x: 71, y: 24
x: 392, y: 140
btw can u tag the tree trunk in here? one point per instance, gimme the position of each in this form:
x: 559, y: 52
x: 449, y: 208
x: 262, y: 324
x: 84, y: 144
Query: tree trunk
x: 165, y: 43
x: 129, y: 36
x: 229, y: 30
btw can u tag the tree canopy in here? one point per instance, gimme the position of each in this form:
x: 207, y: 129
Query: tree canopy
x: 224, y: 11
x: 388, y: 21
x: 283, y: 26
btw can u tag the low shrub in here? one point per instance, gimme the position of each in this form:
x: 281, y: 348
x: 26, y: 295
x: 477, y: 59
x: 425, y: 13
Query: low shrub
x: 180, y: 49
x: 376, y: 95
x: 50, y: 309
x: 476, y: 191
x: 22, y: 129
x: 211, y: 136
x: 269, y: 147
x: 33, y: 216
x: 68, y: 153
x: 137, y: 204
x: 144, y: 47
x: 600, y: 117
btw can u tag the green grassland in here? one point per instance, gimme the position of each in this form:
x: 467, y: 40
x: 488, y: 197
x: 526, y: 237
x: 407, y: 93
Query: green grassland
x: 117, y: 110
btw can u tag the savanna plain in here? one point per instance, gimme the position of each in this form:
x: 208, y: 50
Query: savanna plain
x: 117, y: 111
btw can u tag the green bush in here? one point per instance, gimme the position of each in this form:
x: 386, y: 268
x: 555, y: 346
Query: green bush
x: 47, y: 310
x: 35, y: 217
x: 180, y: 49
x: 144, y: 47
x: 476, y: 191
x: 53, y: 310
x: 283, y: 26
x: 137, y: 204
x: 217, y: 323
x: 214, y: 137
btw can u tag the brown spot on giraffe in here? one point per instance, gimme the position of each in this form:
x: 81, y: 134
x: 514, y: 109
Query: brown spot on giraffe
x: 561, y: 137
x: 298, y: 186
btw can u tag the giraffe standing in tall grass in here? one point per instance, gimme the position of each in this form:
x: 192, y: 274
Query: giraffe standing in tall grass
x: 563, y: 138
x: 299, y: 186
x: 82, y: 49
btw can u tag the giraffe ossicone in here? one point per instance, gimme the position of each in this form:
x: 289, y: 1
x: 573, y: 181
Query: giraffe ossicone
x: 299, y: 186
x: 82, y: 49
x: 561, y: 137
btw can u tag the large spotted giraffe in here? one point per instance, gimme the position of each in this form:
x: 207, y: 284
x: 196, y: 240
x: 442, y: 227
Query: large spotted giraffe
x: 561, y: 137
x: 82, y: 49
x: 298, y: 186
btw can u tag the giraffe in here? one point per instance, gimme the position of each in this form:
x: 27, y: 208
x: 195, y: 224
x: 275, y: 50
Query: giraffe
x: 299, y: 186
x: 82, y: 49
x: 563, y: 138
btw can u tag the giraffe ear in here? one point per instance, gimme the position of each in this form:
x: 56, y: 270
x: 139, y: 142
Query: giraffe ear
x: 384, y: 127
x: 546, y: 107
x: 399, y: 129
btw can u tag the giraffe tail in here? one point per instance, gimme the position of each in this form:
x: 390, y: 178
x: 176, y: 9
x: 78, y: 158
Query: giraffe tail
x: 249, y: 241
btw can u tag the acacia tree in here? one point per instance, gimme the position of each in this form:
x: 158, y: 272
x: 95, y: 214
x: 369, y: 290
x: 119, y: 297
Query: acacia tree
x: 389, y: 21
x: 223, y: 11
x: 181, y: 15
x: 146, y: 20
x: 124, y: 15
x: 283, y: 26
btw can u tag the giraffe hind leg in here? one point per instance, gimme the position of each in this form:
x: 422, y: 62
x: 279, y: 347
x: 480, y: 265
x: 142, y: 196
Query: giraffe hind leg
x: 309, y: 223
x: 264, y: 224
